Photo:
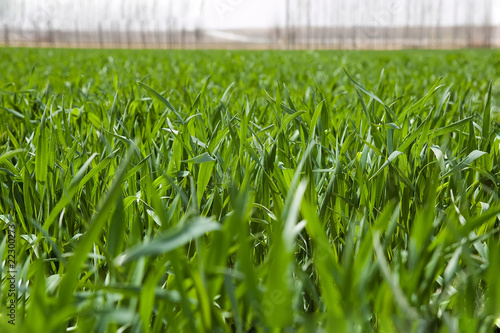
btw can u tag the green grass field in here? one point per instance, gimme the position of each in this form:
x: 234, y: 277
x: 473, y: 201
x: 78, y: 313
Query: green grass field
x: 215, y: 191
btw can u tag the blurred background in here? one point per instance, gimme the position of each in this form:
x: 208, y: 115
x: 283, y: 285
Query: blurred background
x: 256, y: 24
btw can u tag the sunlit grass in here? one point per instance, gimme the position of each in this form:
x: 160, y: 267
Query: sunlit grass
x: 230, y: 191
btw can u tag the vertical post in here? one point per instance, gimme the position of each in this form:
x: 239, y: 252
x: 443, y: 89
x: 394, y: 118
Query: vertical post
x: 183, y: 37
x: 77, y: 34
x: 487, y: 23
x: 386, y: 34
x: 422, y: 24
x: 119, y: 33
x: 127, y: 24
x: 112, y: 35
x: 143, y: 34
x: 50, y: 33
x: 100, y: 35
x: 37, y: 34
x: 170, y: 26
x: 470, y: 23
x: 168, y: 31
x: 438, y: 24
x: 332, y: 28
x: 455, y: 27
x: 172, y: 36
x: 156, y: 34
x: 287, y: 24
x: 353, y: 29
x: 308, y: 24
x: 340, y: 26
x: 155, y: 24
x: 407, y: 28
x: 325, y: 23
x: 6, y: 34
x: 129, y: 33
x: 343, y: 26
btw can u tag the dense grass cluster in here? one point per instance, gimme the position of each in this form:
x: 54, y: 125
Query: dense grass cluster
x: 197, y: 191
